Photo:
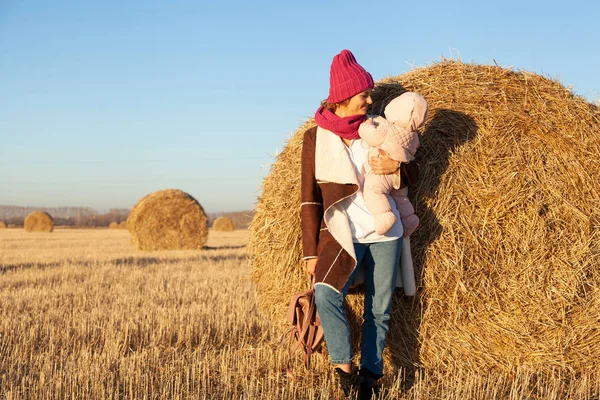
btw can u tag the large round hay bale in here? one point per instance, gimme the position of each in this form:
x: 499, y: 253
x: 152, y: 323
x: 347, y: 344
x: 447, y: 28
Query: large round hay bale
x: 2, y: 225
x: 113, y: 225
x: 168, y: 220
x: 123, y: 225
x: 223, y: 224
x: 38, y: 221
x: 508, y: 249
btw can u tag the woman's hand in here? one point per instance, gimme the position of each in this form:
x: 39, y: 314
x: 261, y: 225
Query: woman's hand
x: 311, y: 265
x: 383, y: 165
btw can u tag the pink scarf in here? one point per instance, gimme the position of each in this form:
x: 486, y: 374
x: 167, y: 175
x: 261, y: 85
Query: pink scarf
x: 346, y: 127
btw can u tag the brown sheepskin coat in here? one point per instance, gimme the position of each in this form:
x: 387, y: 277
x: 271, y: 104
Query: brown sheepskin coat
x: 328, y: 179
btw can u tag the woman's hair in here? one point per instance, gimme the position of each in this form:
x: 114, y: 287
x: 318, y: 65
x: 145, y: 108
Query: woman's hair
x: 334, y: 106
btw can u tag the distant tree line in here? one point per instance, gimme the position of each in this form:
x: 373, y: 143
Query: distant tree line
x: 85, y: 217
x: 76, y: 217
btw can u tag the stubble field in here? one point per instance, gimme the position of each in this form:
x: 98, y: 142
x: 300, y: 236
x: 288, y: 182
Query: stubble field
x: 84, y: 315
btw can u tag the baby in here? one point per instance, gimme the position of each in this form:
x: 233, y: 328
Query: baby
x: 396, y: 135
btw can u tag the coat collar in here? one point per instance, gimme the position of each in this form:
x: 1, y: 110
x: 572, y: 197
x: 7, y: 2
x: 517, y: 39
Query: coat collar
x: 332, y: 163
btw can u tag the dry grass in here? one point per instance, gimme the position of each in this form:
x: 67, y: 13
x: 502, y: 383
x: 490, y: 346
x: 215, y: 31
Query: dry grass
x: 85, y: 316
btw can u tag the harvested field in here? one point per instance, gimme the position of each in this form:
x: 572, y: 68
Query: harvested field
x: 85, y: 316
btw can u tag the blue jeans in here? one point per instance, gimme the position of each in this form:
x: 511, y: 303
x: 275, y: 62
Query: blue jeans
x: 380, y: 262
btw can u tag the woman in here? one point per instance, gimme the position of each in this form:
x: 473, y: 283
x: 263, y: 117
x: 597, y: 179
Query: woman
x: 338, y: 232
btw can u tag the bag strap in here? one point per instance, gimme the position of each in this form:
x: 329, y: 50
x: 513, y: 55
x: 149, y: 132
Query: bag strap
x: 311, y: 309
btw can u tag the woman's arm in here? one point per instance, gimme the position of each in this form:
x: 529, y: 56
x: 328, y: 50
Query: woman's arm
x: 311, y: 265
x: 383, y: 164
x: 408, y: 173
x: 311, y: 208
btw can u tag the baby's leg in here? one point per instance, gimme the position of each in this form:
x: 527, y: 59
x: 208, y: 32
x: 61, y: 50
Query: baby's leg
x: 375, y: 193
x: 409, y: 219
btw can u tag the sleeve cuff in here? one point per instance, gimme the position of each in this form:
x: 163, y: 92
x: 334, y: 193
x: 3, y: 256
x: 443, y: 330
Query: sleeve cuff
x: 396, y: 181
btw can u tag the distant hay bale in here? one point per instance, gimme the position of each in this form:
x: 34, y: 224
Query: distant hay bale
x: 123, y: 225
x: 508, y: 251
x: 113, y: 225
x: 168, y: 220
x: 38, y: 221
x: 223, y: 224
x: 2, y: 225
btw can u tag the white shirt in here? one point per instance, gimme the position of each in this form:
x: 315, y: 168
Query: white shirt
x: 362, y: 222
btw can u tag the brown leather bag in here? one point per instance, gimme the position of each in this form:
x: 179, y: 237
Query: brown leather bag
x: 306, y: 331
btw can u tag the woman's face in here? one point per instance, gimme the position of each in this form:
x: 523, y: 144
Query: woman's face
x: 357, y: 105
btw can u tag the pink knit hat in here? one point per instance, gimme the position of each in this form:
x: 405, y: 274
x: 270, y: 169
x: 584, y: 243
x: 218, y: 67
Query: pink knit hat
x: 347, y: 78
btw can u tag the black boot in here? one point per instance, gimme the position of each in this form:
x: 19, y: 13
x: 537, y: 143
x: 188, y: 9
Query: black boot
x: 367, y: 384
x: 348, y: 381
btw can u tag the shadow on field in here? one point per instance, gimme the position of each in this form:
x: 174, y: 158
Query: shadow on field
x: 224, y: 247
x: 148, y: 261
x: 446, y: 131
x: 136, y: 262
x: 15, y: 267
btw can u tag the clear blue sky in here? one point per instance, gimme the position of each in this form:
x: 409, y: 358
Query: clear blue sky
x: 102, y: 102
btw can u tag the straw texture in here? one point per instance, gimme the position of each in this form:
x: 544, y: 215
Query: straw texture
x: 223, y: 224
x: 508, y: 248
x: 38, y: 221
x: 168, y: 220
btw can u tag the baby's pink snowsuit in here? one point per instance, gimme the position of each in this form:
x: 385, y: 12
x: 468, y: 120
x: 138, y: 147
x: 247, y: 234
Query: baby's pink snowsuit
x: 396, y: 134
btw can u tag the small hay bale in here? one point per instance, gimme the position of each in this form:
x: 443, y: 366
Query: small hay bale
x: 223, y: 224
x: 2, y: 225
x: 508, y: 250
x: 168, y: 220
x: 123, y: 225
x: 113, y: 225
x: 38, y: 221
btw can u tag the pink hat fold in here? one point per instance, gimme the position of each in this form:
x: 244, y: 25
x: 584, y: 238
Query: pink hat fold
x: 347, y: 77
